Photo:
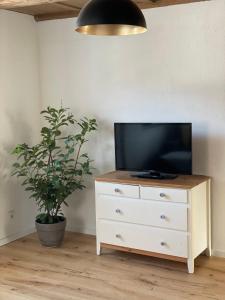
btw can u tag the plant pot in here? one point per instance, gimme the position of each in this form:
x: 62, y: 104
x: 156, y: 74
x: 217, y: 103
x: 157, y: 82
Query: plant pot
x: 51, y: 235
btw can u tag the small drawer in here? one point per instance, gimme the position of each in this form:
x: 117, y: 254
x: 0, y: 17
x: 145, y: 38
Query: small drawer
x: 141, y: 237
x: 163, y: 194
x: 120, y: 190
x: 166, y: 215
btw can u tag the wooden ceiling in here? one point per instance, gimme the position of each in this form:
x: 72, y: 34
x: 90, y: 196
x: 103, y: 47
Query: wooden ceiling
x: 55, y: 9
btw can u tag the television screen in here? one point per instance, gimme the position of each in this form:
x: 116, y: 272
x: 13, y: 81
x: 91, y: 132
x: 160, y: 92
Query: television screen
x: 154, y: 146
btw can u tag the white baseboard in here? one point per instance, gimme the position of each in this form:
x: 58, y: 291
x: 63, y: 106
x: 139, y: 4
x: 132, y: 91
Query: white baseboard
x: 16, y: 236
x: 218, y: 253
x: 81, y: 229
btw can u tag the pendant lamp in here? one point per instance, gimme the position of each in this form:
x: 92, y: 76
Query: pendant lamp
x: 111, y: 17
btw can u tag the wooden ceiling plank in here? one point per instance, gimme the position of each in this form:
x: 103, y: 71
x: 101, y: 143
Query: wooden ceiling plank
x: 145, y: 4
x: 55, y: 16
x: 44, y: 9
x: 71, y: 8
x: 7, y: 4
x: 69, y: 11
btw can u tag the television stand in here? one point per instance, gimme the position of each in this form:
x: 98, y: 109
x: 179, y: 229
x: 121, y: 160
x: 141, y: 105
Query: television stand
x: 168, y: 219
x: 153, y: 175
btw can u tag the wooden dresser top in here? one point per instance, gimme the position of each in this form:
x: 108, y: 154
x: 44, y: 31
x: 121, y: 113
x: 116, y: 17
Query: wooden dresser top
x: 182, y: 181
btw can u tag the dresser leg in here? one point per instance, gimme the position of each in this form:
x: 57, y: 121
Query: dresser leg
x: 98, y: 248
x: 191, y: 266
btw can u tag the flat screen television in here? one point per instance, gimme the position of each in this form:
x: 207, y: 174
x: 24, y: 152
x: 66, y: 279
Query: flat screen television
x: 154, y: 147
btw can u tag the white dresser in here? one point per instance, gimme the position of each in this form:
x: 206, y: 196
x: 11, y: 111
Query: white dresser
x: 169, y: 219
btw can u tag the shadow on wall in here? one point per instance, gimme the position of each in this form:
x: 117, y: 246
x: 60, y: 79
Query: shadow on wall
x: 200, y: 149
x: 4, y: 164
x: 13, y: 210
x: 104, y: 154
x: 100, y: 148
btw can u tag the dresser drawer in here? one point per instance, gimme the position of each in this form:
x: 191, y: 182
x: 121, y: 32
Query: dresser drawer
x: 166, y: 215
x: 143, y: 237
x: 120, y: 190
x: 163, y: 194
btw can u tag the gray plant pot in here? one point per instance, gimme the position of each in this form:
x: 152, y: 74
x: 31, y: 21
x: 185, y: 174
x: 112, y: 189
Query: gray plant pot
x: 51, y: 235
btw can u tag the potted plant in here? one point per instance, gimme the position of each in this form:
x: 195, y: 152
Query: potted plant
x: 53, y: 169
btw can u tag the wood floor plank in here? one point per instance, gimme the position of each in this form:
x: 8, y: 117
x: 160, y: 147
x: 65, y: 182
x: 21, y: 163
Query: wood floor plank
x: 74, y: 272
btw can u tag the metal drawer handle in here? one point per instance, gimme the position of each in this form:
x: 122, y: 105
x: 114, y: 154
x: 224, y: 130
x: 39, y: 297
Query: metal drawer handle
x: 118, y: 211
x: 163, y: 244
x: 163, y: 217
x: 162, y: 195
x: 118, y: 236
x: 117, y: 190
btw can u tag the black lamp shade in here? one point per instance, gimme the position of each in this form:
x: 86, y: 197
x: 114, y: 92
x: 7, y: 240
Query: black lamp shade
x: 111, y: 17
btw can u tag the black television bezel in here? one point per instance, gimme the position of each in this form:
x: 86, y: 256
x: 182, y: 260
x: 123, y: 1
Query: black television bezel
x: 151, y: 123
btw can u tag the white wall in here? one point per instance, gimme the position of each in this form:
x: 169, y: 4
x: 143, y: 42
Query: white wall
x: 19, y: 116
x: 174, y: 73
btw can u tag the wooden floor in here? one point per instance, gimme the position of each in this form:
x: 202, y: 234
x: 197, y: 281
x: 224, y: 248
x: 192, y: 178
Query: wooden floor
x: 29, y: 271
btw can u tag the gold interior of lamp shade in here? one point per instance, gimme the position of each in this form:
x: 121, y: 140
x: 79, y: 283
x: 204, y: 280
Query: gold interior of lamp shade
x: 111, y: 29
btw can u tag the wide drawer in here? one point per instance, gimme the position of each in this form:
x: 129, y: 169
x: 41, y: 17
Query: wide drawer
x: 166, y: 215
x: 164, y: 194
x: 143, y: 237
x: 120, y: 190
